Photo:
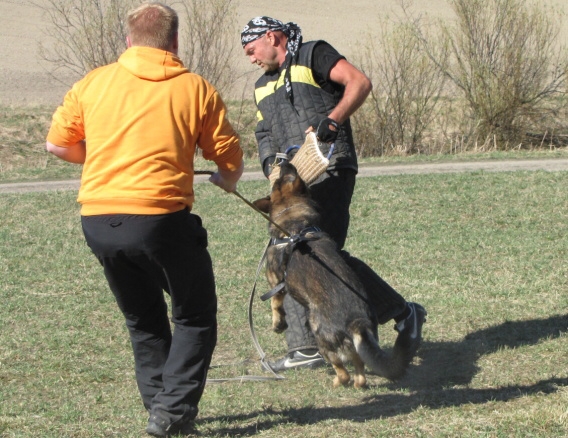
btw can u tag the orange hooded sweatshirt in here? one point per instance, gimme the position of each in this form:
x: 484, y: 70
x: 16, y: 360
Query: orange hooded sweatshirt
x: 142, y: 118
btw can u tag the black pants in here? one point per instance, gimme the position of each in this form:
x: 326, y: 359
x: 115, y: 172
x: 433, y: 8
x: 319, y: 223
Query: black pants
x: 333, y: 192
x: 143, y: 256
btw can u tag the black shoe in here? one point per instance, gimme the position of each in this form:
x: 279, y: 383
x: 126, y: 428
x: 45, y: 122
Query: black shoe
x: 296, y: 360
x: 410, y: 329
x: 159, y: 427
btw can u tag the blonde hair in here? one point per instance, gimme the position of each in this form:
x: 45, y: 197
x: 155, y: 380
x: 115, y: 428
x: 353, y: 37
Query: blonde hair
x: 152, y: 24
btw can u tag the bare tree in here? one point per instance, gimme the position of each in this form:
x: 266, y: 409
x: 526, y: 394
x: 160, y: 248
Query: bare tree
x: 83, y: 34
x: 209, y: 40
x: 406, y: 89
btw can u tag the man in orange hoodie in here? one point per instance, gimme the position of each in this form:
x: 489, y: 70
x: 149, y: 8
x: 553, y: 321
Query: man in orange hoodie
x: 135, y: 125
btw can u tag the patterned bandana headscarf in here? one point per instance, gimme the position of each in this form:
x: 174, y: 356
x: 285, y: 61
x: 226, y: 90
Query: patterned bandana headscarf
x: 258, y: 26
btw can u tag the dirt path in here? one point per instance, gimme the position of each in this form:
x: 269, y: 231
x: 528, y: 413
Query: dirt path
x: 551, y: 165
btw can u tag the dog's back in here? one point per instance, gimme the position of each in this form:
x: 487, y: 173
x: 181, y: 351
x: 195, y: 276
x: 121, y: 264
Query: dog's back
x: 319, y: 278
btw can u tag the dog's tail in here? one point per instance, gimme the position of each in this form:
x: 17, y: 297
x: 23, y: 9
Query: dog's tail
x: 379, y: 361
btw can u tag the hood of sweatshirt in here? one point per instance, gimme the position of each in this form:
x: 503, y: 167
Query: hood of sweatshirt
x: 151, y: 64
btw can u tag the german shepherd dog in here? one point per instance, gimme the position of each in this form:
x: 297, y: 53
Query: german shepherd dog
x: 315, y: 274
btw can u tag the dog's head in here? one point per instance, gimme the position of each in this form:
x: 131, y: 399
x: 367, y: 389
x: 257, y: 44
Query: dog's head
x: 289, y: 202
x: 288, y: 185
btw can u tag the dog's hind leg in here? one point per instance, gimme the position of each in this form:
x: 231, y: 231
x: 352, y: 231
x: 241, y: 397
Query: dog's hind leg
x: 359, y: 379
x: 342, y: 376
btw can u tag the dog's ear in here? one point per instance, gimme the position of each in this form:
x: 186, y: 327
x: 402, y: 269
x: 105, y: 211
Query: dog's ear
x: 300, y: 187
x: 293, y: 185
x: 263, y: 204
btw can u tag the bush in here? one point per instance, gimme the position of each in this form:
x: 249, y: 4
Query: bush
x: 406, y: 89
x: 208, y: 44
x: 505, y: 59
x: 83, y: 34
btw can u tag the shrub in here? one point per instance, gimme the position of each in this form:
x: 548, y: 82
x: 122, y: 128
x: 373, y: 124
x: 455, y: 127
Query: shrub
x: 505, y: 59
x: 208, y: 41
x: 406, y: 89
x: 83, y: 34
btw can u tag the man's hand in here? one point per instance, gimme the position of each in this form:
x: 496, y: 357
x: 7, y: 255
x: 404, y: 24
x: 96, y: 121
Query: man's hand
x: 227, y: 179
x: 327, y: 130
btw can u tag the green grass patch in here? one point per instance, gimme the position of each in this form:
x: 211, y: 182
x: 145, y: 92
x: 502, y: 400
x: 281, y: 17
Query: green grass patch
x: 486, y: 253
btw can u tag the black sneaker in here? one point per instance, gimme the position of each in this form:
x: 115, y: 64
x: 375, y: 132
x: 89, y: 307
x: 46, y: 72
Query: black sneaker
x: 410, y: 329
x: 159, y: 427
x: 296, y: 360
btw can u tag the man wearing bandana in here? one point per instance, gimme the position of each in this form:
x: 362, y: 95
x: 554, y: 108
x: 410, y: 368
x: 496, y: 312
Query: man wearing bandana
x: 309, y: 86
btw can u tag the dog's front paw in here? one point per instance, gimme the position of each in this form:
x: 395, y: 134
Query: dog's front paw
x: 279, y: 325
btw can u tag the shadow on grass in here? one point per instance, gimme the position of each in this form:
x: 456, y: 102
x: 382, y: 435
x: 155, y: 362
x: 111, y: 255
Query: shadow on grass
x: 443, y: 365
x: 447, y: 364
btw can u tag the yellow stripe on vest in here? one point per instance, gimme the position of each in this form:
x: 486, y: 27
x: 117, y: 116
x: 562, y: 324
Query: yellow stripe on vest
x: 299, y: 74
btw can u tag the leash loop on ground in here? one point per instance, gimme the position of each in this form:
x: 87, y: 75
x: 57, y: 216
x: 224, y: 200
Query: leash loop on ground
x: 265, y: 364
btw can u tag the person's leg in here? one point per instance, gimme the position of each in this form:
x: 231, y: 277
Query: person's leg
x: 188, y: 273
x: 386, y: 302
x: 333, y: 192
x: 298, y: 335
x: 146, y: 314
x: 143, y: 255
x: 138, y: 293
x: 302, y: 346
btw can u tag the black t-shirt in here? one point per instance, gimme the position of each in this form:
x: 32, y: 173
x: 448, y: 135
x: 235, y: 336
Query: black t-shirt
x: 323, y: 59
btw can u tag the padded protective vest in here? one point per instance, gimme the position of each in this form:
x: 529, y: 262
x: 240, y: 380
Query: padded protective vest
x: 286, y: 121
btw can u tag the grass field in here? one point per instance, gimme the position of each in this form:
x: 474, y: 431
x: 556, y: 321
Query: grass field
x: 486, y: 253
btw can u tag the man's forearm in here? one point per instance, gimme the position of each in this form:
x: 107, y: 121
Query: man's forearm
x: 74, y: 153
x: 354, y: 96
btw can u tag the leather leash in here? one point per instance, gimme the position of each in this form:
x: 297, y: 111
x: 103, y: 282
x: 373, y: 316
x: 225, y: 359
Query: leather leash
x: 265, y: 364
x: 259, y: 349
x: 246, y: 201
